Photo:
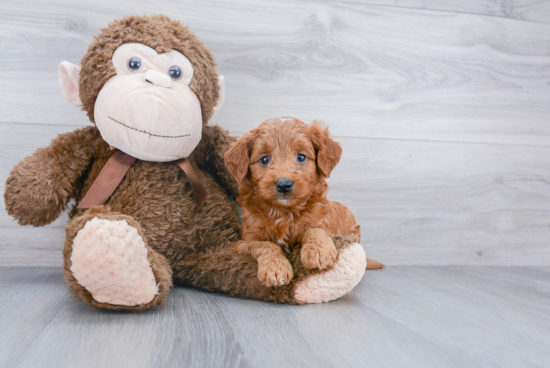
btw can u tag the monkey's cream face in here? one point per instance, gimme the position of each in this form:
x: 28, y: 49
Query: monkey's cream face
x: 147, y: 109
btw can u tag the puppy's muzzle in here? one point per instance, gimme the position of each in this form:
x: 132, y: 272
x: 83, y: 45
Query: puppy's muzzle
x: 284, y: 185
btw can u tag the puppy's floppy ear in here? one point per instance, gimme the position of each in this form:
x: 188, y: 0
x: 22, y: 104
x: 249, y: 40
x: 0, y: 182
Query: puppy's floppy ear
x: 328, y: 151
x: 237, y: 158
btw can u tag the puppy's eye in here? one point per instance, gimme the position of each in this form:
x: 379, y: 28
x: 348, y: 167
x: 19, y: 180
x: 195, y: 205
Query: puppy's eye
x: 301, y: 158
x: 134, y: 64
x: 265, y: 160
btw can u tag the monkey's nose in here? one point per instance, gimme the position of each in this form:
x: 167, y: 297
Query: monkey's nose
x: 158, y: 78
x: 284, y: 185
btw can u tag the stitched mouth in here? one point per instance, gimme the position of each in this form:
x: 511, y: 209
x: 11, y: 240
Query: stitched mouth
x: 149, y: 133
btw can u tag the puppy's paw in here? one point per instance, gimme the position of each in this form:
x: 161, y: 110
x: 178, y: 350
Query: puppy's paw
x: 318, y: 252
x: 274, y: 271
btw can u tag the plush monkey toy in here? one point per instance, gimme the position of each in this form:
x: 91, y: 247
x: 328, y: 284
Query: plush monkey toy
x: 151, y: 202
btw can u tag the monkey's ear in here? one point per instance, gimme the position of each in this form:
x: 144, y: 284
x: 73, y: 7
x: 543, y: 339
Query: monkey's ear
x: 68, y: 75
x: 237, y: 158
x: 221, y: 83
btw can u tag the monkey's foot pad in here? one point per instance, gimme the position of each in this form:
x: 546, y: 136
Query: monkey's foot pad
x: 109, y: 259
x: 336, y: 282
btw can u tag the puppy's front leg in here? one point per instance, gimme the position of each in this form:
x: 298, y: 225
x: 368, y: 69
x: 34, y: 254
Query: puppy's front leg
x: 318, y: 249
x: 274, y: 269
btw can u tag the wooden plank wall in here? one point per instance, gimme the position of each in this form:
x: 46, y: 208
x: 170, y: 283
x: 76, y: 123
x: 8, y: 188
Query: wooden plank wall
x: 442, y: 107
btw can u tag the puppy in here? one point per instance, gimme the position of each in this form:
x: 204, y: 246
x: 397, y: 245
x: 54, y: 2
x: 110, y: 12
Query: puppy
x: 281, y: 168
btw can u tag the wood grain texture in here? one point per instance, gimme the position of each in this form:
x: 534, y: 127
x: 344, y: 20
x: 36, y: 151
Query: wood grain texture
x: 435, y: 203
x: 397, y: 317
x: 443, y: 116
x: 418, y: 202
x: 530, y: 10
x: 368, y: 70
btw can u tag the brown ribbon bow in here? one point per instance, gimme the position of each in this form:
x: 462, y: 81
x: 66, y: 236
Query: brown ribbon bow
x: 116, y: 167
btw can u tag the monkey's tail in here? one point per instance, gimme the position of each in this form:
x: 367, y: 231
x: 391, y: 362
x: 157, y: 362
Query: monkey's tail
x: 374, y: 265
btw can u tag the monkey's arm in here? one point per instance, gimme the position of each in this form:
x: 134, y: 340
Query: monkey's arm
x: 211, y: 149
x: 40, y: 186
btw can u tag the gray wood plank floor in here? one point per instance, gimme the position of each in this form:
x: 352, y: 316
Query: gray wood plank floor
x: 398, y: 317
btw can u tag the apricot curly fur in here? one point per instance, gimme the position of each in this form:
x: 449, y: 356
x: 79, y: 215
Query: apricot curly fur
x: 303, y: 217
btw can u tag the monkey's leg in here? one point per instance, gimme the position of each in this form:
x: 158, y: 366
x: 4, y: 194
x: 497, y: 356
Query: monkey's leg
x: 323, y: 286
x: 223, y: 270
x: 108, y: 263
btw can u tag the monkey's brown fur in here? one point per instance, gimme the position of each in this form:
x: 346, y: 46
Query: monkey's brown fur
x: 189, y: 246
x: 161, y: 34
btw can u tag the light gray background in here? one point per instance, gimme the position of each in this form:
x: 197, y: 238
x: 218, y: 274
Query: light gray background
x: 442, y: 108
x: 443, y: 111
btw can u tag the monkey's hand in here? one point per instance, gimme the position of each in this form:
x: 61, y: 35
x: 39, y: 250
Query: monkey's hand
x: 210, y: 154
x: 40, y: 186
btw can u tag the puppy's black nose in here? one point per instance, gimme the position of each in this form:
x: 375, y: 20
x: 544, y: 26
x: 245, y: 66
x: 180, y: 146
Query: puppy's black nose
x: 284, y: 185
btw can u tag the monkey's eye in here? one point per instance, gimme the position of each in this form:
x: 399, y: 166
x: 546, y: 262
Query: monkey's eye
x: 265, y: 160
x: 175, y: 72
x: 301, y: 158
x: 134, y: 64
